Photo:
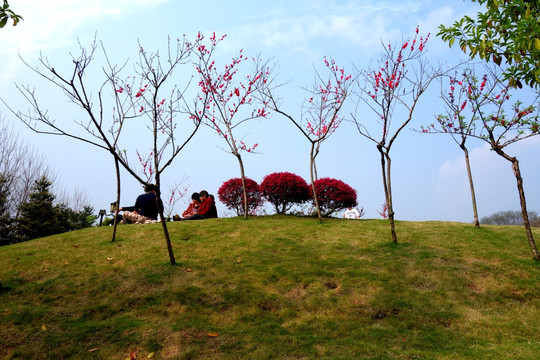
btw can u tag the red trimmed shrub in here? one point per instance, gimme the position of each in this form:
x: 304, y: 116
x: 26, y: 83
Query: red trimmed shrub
x: 232, y: 195
x: 333, y: 195
x: 283, y: 190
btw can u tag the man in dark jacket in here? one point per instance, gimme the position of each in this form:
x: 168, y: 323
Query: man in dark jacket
x: 146, y: 208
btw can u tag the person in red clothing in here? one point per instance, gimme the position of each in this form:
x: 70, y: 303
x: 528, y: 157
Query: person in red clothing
x: 206, y: 209
x: 193, y: 207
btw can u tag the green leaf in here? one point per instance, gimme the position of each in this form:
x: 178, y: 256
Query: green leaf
x: 3, y: 22
x: 537, y: 43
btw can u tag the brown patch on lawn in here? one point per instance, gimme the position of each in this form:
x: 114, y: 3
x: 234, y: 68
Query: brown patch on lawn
x: 173, y: 346
x: 296, y: 293
x: 365, y: 296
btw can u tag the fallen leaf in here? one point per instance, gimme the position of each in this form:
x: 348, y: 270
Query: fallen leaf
x: 92, y: 350
x: 213, y: 334
x: 109, y: 258
x: 238, y: 261
x: 75, y: 245
x: 150, y: 355
x: 44, y: 327
x: 189, y: 270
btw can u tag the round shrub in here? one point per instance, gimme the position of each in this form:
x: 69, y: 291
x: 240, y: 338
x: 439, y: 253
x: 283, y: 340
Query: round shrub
x: 283, y: 190
x: 232, y: 195
x: 333, y: 195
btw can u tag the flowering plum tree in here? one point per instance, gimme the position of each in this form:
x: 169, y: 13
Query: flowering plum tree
x: 400, y: 77
x: 283, y: 190
x: 225, y: 100
x: 459, y: 122
x: 231, y: 193
x: 496, y: 121
x: 384, y: 211
x: 149, y: 97
x: 320, y: 115
x: 334, y: 195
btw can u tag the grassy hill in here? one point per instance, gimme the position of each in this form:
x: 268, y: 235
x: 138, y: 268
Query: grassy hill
x: 276, y: 287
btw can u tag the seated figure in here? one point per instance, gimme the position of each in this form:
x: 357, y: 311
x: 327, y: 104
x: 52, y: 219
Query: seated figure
x: 145, y: 209
x: 206, y: 209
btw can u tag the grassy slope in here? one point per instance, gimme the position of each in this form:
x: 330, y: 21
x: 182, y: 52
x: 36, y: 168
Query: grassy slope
x: 273, y: 288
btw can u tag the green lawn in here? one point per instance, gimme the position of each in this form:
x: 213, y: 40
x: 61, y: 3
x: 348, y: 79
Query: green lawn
x: 276, y: 287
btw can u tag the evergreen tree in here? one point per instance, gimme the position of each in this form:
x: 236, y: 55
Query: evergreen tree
x: 38, y: 216
x: 7, y: 235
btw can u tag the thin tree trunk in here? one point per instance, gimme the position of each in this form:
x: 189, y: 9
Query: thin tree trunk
x: 390, y: 203
x: 115, y: 226
x: 524, y: 213
x: 314, y: 153
x: 471, y: 185
x: 312, y: 175
x: 166, y: 233
x: 526, y: 222
x: 244, y: 190
x: 164, y: 222
x: 385, y: 167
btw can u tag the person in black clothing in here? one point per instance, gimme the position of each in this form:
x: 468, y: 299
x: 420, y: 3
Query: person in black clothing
x: 145, y: 209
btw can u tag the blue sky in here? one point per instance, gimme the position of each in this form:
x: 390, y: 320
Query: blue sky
x: 428, y: 174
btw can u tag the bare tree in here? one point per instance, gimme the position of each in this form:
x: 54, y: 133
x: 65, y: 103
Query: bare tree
x: 21, y: 165
x: 114, y: 105
x: 399, y: 79
x: 320, y: 113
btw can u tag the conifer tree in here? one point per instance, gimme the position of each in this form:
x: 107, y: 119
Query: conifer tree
x: 6, y: 228
x: 39, y: 216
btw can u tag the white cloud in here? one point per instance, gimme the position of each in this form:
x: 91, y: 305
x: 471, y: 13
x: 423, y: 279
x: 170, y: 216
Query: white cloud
x: 50, y: 25
x: 359, y: 27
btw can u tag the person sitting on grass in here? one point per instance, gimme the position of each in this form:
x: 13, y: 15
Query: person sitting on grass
x: 145, y: 210
x: 207, y: 207
x: 191, y: 209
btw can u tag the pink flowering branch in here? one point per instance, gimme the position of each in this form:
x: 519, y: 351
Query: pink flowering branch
x: 398, y: 80
x: 320, y: 115
x: 227, y: 96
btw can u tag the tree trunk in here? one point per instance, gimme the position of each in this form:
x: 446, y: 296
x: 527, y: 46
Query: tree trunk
x: 385, y: 167
x: 167, y: 236
x: 312, y: 178
x: 164, y: 222
x: 526, y: 222
x: 115, y: 226
x: 314, y: 152
x: 244, y: 190
x: 471, y: 185
x: 524, y: 213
